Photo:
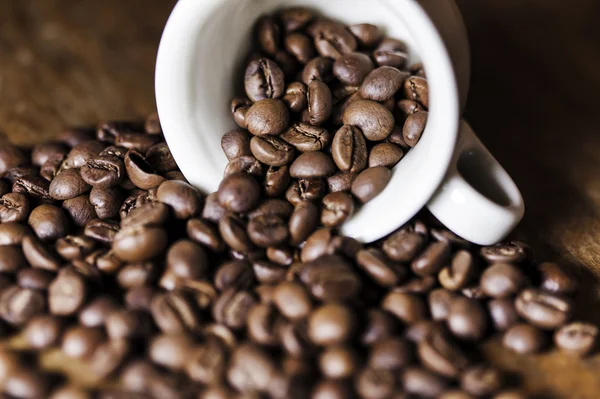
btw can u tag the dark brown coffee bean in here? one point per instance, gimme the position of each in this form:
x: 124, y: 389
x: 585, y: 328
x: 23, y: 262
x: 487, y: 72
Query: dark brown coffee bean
x: 267, y: 34
x: 439, y: 303
x: 80, y: 210
x: 109, y: 131
x: 115, y: 151
x: 337, y: 208
x: 332, y: 39
x: 67, y: 292
x: 125, y: 324
x: 14, y: 207
x: 506, y: 252
x: 52, y: 167
x: 106, y: 201
x: 235, y: 143
x: 268, y: 272
x: 101, y: 230
x: 391, y: 52
x: 292, y: 300
x: 150, y: 214
x: 263, y: 80
x: 43, y: 331
x: 481, y: 380
x: 305, y: 190
x: 317, y: 244
x: 300, y: 46
x: 414, y: 127
x: 232, y: 307
x: 206, y: 363
x: 295, y: 96
x: 382, y: 83
x: 96, y: 312
x: 502, y: 313
x: 375, y: 264
x: 271, y: 150
x: 268, y: 230
x: 250, y: 369
x: 416, y: 89
x: 239, y: 192
x: 373, y: 119
x: 377, y: 326
x: 48, y: 222
x: 524, y: 339
x: 407, y: 108
x: 370, y: 183
x: 35, y: 279
x: 83, y: 152
x: 556, y: 280
x: 262, y: 322
x: 407, y: 307
x: 160, y: 158
x: 140, y: 172
x: 501, y: 280
x: 38, y: 255
x: 27, y: 383
x: 303, y: 221
x: 330, y: 278
x: 375, y: 383
x: 385, y: 154
x: 33, y: 186
x: 13, y: 233
x: 19, y: 305
x: 542, y: 309
x: 367, y: 35
x: 319, y: 68
x: 320, y: 102
x: 351, y: 69
x: 11, y: 258
x: 239, y: 108
x: 403, y: 246
x: 340, y: 181
x: 10, y: 157
x: 305, y: 137
x: 73, y: 136
x: 432, y: 259
x: 331, y: 324
x: 310, y: 165
x: 467, y: 319
x: 75, y: 247
x: 267, y: 116
x: 459, y: 273
x: 205, y: 233
x: 233, y: 231
x: 247, y: 164
x: 349, y: 149
x: 175, y: 313
x: 184, y: 199
x: 103, y: 171
x: 81, y: 342
x: 108, y: 357
x: 420, y: 382
x: 295, y: 18
x: 390, y: 354
x: 576, y: 338
x: 439, y: 354
x: 137, y: 244
x: 277, y: 180
x: 187, y: 260
x: 416, y: 285
x: 19, y: 172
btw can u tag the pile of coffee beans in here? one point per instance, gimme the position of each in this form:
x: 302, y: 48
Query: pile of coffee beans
x: 328, y: 110
x: 158, y: 291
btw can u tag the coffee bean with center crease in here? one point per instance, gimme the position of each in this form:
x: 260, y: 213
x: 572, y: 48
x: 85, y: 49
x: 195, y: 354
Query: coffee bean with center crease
x: 391, y: 52
x: 137, y: 244
x: 374, y: 120
x: 406, y: 307
x: 80, y: 210
x: 310, y: 165
x: 234, y: 274
x: 108, y: 131
x: 295, y: 18
x: 267, y: 34
x: 19, y: 305
x: 101, y: 230
x: 150, y: 214
x: 140, y: 172
x: 268, y: 230
x: 247, y: 164
x: 103, y: 171
x: 233, y: 231
x: 507, y: 252
x: 14, y: 207
x: 337, y: 208
x: 439, y: 354
x: 269, y: 272
x: 305, y: 190
x: 184, y: 199
x: 351, y: 69
x: 439, y: 301
x: 48, y: 222
x: 349, y: 149
x: 320, y: 102
x: 319, y: 68
x: 38, y: 255
x: 501, y: 280
x: 481, y: 380
x: 295, y: 96
x: 232, y: 307
x: 74, y: 247
x: 542, y: 309
x: 300, y: 46
x: 576, y: 338
x: 83, y: 152
x: 370, y: 183
x: 416, y: 88
x: 413, y: 127
x: 340, y: 181
x: 33, y: 186
x: 305, y: 137
x: 95, y: 313
x: 317, y: 244
x: 250, y: 369
x: 268, y: 116
x: 239, y: 192
x: 175, y: 313
x: 502, y: 313
x: 67, y: 292
x: 263, y: 79
x: 262, y: 324
x: 385, y: 154
x: 53, y: 166
x: 432, y: 259
x: 276, y: 180
x: 239, y: 108
x: 206, y: 363
x: 556, y: 280
x: 292, y: 300
x: 160, y: 158
x: 524, y: 338
x: 459, y: 273
x: 332, y: 39
x: 235, y: 143
x: 375, y: 264
x: 13, y: 233
x: 271, y: 150
x: 330, y: 279
x: 382, y: 83
x: 107, y: 201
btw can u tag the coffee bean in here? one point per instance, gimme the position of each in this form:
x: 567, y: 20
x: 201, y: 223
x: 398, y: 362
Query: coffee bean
x: 524, y: 339
x: 391, y: 52
x: 233, y: 231
x: 73, y: 136
x: 390, y: 354
x: 439, y: 303
x: 473, y: 292
x: 305, y: 190
x: 467, y: 319
x: 338, y: 362
x: 175, y: 313
x: 481, y: 380
x: 576, y: 338
x: 10, y: 157
x: 43, y: 331
x: 542, y: 309
x: 377, y: 326
x: 439, y: 354
x: 340, y: 181
x: 375, y: 264
x: 187, y: 260
x: 414, y: 127
x: 151, y: 214
x: 317, y: 245
x: 295, y: 96
x: 232, y: 307
x: 292, y: 300
x: 125, y: 324
x: 83, y: 152
x: 107, y: 202
x: 53, y: 166
x: 416, y: 89
x: 140, y: 172
x: 138, y: 244
x: 11, y: 259
x: 19, y: 172
x: 300, y: 46
x: 160, y: 158
x: 332, y: 39
x: 373, y: 119
x: 205, y: 233
x: 19, y: 305
x: 349, y: 149
x: 48, y: 222
x: 375, y: 383
x: 267, y: 34
x: 277, y: 180
x: 367, y: 35
x: 115, y: 151
x: 10, y: 362
x: 14, y: 207
x: 250, y: 369
x: 331, y: 324
x: 80, y: 210
x: 501, y: 280
x: 271, y: 150
x: 502, y: 313
x: 351, y: 69
x: 337, y: 208
x: 507, y: 252
x: 406, y: 307
x: 35, y: 279
x: 418, y: 381
x: 330, y: 278
x: 382, y: 83
x: 385, y: 154
x: 233, y: 274
x: 235, y: 143
x: 239, y: 108
x: 320, y: 102
x: 33, y: 186
x: 81, y: 342
x: 370, y: 183
x: 13, y: 233
x: 459, y: 273
x: 137, y: 274
x: 263, y: 80
x: 27, y: 383
x: 319, y: 68
x: 310, y: 165
x: 101, y: 230
x: 239, y: 192
x: 305, y: 137
x: 181, y: 197
x: 247, y: 164
x: 303, y: 221
x: 108, y: 357
x: 67, y: 292
x: 295, y: 18
x: 140, y: 298
x: 268, y: 230
x: 108, y: 132
x: 206, y: 363
x: 103, y: 171
x: 95, y: 313
x: 432, y: 259
x: 556, y: 280
x: 262, y: 324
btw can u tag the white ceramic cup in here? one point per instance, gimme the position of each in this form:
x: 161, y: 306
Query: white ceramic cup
x: 200, y: 61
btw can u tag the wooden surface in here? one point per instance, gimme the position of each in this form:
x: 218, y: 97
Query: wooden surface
x: 534, y: 101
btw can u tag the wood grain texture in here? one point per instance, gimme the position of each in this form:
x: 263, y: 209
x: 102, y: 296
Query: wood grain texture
x: 534, y: 101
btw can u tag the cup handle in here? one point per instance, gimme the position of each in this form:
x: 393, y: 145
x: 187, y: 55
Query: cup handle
x: 477, y: 199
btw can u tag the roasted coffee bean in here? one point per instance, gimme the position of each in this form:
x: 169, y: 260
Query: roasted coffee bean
x: 416, y: 88
x: 83, y: 152
x: 502, y: 313
x: 295, y: 18
x: 459, y: 273
x: 317, y: 244
x: 576, y: 338
x: 48, y: 222
x: 320, y: 102
x: 125, y: 324
x: 262, y: 324
x: 33, y: 186
x: 206, y: 363
x: 160, y: 158
x: 300, y: 46
x: 95, y: 313
x: 330, y: 279
x: 268, y: 272
x: 414, y: 127
x: 524, y: 339
x: 135, y: 275
x: 13, y: 233
x: 115, y: 151
x: 272, y: 206
x: 104, y: 261
x: 234, y: 274
x: 185, y: 201
x: 263, y: 79
x: 233, y: 231
x: 556, y: 280
x: 467, y: 319
x: 331, y: 324
x: 250, y: 369
x: 351, y: 69
x: 310, y: 165
x: 319, y: 68
x: 43, y: 331
x: 10, y: 157
x: 340, y: 181
x: 140, y: 298
x: 138, y: 244
x: 303, y: 221
x: 481, y: 380
x: 391, y: 52
x: 416, y: 285
x: 292, y: 300
x: 81, y: 342
x: 187, y: 260
x: 271, y: 150
x: 367, y: 35
x: 103, y: 171
x: 52, y: 167
x: 432, y: 259
x: 542, y: 309
x: 276, y: 181
x: 239, y: 108
x: 19, y: 305
x: 375, y: 264
x: 305, y: 190
x: 382, y: 83
x: 332, y: 389
x: 377, y: 326
x: 439, y: 303
x: 349, y: 149
x: 439, y: 354
x: 235, y: 143
x: 501, y: 280
x: 175, y: 313
x: 247, y: 164
x: 109, y: 131
x: 473, y: 292
x: 373, y: 119
x: 73, y: 136
x: 295, y: 96
x: 11, y: 258
x: 370, y: 183
x: 267, y: 34
x: 506, y: 252
x: 106, y: 201
x: 231, y: 308
x: 36, y: 279
x: 205, y: 233
x: 420, y: 382
x: 140, y: 172
x: 268, y: 230
x: 239, y: 192
x: 108, y: 357
x: 305, y: 137
x: 14, y: 207
x: 80, y: 210
x: 407, y: 108
x: 19, y: 172
x: 101, y: 230
x: 408, y: 308
x: 67, y: 292
x: 150, y: 214
x: 332, y: 39
x: 338, y: 362
x: 337, y: 208
x: 38, y: 255
x: 385, y: 154
x: 27, y: 383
